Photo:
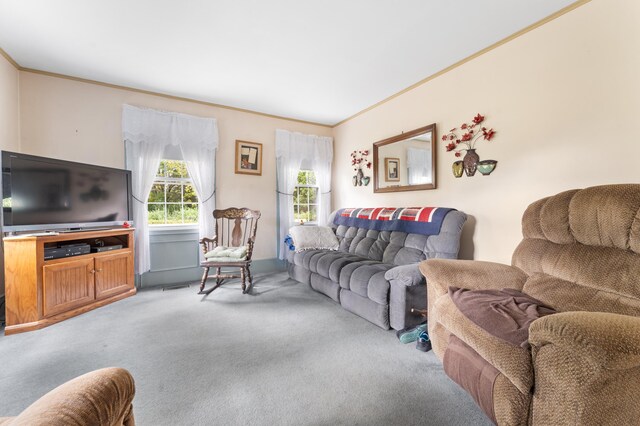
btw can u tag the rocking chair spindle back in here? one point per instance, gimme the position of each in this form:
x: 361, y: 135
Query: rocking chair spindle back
x: 234, y: 227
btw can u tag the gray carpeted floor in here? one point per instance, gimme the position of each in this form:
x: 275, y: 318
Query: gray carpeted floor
x: 283, y: 355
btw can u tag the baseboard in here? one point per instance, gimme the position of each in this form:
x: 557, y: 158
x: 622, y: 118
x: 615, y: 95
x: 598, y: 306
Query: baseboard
x: 268, y: 265
x: 193, y: 275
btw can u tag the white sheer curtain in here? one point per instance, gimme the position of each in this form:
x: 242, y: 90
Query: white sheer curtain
x: 418, y: 166
x: 322, y: 158
x: 147, y: 134
x: 200, y: 161
x: 143, y: 159
x: 292, y: 150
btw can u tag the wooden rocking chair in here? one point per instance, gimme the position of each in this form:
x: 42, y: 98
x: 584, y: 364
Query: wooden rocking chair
x: 234, y: 231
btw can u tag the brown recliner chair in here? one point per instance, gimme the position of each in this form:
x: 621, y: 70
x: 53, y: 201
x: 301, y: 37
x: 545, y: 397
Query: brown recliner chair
x: 581, y: 256
x: 99, y: 398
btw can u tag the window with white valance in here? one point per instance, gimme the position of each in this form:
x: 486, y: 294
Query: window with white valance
x: 296, y: 152
x: 150, y: 136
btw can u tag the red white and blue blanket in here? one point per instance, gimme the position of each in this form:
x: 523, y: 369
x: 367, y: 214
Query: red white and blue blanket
x: 414, y: 220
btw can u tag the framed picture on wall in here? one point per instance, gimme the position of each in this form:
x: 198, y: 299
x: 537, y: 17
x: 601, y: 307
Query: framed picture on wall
x: 248, y: 158
x: 391, y: 169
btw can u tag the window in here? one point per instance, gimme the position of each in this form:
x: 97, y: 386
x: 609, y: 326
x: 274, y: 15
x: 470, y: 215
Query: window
x: 173, y: 199
x: 305, y: 198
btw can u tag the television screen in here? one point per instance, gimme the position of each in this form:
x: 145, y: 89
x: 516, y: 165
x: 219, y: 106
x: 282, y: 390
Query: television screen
x: 43, y: 193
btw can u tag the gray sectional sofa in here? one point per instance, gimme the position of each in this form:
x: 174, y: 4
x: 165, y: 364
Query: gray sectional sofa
x: 374, y: 274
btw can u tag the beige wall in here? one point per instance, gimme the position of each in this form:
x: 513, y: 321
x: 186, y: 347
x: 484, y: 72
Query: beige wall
x: 79, y: 121
x: 9, y: 106
x: 564, y: 99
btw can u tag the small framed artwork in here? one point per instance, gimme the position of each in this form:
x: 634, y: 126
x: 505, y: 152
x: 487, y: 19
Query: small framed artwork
x: 391, y: 169
x: 248, y: 158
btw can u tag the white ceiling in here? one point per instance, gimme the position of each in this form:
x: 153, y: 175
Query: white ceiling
x: 319, y: 61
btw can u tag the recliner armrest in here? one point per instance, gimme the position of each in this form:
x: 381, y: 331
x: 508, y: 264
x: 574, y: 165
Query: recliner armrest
x: 611, y: 340
x: 407, y: 275
x: 586, y: 367
x: 471, y: 274
x: 101, y: 397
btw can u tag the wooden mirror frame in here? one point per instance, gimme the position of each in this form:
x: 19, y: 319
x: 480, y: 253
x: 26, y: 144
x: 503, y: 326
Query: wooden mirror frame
x: 407, y: 135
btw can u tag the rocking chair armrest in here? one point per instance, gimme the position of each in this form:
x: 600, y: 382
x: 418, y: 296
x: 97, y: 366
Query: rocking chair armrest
x: 208, y: 243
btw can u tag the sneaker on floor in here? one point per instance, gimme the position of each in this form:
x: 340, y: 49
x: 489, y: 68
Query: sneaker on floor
x: 424, y: 344
x: 410, y: 334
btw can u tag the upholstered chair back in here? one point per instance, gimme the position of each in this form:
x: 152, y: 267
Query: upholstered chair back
x: 581, y: 250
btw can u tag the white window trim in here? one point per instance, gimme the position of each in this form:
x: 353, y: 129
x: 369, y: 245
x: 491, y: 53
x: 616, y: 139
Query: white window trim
x: 174, y: 229
x: 155, y: 227
x: 317, y: 203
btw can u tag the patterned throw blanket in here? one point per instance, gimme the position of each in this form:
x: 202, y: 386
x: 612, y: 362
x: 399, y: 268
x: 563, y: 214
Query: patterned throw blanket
x: 414, y: 220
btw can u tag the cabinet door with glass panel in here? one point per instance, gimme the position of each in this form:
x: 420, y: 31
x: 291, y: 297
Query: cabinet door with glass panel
x: 173, y: 199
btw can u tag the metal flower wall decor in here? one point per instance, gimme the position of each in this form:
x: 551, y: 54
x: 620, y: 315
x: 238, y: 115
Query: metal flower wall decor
x: 471, y: 133
x: 359, y: 161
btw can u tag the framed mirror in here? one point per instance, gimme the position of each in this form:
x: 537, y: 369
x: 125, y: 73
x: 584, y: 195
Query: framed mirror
x: 406, y: 162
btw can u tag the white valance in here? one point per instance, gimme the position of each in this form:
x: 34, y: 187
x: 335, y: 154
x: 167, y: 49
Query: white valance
x: 168, y: 128
x: 308, y: 149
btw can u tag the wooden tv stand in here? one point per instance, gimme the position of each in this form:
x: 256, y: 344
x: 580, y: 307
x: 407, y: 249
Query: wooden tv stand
x: 41, y: 292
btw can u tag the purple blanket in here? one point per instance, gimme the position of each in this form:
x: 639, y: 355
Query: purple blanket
x: 505, y: 313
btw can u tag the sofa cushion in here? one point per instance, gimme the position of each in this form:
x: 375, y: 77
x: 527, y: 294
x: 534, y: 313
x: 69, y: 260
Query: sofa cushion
x: 512, y: 361
x: 303, y: 258
x: 362, y: 246
x: 609, y: 272
x: 345, y: 235
x: 325, y: 286
x: 329, y: 263
x: 569, y: 296
x: 376, y: 252
x: 367, y: 280
x: 348, y: 270
x: 326, y: 263
x: 362, y: 276
x: 581, y: 247
x: 606, y: 218
x: 366, y: 308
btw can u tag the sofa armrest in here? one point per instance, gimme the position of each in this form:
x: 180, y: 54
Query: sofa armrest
x: 610, y: 340
x: 471, y: 274
x: 101, y: 397
x: 586, y: 369
x: 407, y: 275
x: 407, y: 291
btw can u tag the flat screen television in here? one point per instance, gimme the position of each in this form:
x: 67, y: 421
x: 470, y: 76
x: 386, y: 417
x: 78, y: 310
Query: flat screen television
x: 41, y: 193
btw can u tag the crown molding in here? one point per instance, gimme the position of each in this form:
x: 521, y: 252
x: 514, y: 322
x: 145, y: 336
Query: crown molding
x: 149, y: 92
x: 167, y: 96
x: 497, y: 44
x: 471, y: 57
x: 9, y: 59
